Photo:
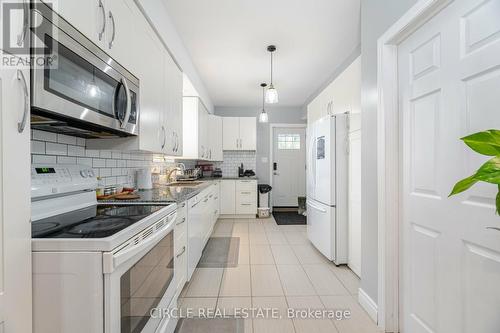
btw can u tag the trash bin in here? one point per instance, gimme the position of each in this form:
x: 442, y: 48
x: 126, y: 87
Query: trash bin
x: 264, y: 210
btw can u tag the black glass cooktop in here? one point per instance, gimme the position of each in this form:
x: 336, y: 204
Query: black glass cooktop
x: 92, y: 222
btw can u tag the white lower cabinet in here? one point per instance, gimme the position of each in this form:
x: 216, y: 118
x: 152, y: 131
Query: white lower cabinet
x: 180, y: 246
x: 202, y: 213
x: 238, y: 198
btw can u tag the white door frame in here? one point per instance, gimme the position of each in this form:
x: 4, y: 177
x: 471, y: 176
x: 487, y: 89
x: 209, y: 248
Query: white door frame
x: 389, y: 154
x: 271, y: 151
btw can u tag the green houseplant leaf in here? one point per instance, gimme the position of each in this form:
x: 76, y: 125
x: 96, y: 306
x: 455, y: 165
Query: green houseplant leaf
x: 485, y: 143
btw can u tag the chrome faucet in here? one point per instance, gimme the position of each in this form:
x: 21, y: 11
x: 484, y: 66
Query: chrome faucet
x: 180, y: 167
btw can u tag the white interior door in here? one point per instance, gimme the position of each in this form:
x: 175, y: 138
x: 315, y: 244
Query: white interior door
x: 449, y: 80
x: 354, y: 201
x: 289, y: 168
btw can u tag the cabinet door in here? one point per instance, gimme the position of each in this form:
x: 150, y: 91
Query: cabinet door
x: 168, y: 115
x: 15, y: 237
x: 88, y: 16
x: 248, y: 133
x: 230, y: 133
x: 121, y: 33
x: 152, y: 134
x: 175, y: 93
x: 203, y: 142
x: 227, y: 197
x: 217, y: 137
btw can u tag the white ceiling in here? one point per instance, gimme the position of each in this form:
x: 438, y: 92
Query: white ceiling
x: 227, y: 41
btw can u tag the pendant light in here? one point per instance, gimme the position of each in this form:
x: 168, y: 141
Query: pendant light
x: 271, y: 93
x: 263, y: 117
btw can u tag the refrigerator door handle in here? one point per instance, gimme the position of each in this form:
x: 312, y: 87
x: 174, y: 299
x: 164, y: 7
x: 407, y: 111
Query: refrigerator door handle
x: 316, y: 207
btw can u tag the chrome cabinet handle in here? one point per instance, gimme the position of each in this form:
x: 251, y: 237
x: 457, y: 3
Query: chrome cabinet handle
x: 183, y: 205
x: 196, y: 204
x: 182, y: 221
x: 182, y: 252
x: 164, y: 137
x: 21, y: 125
x: 205, y: 200
x: 114, y: 30
x: 22, y: 36
x: 103, y: 12
x: 177, y: 142
x: 129, y: 103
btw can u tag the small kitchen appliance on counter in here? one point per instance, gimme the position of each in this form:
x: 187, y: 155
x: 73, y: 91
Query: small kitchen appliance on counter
x: 98, y: 267
x: 144, y: 179
x: 217, y: 173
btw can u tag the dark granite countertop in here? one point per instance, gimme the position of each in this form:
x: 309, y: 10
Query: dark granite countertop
x: 229, y: 178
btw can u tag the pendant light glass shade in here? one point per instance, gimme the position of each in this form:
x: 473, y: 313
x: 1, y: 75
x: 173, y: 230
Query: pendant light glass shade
x: 263, y: 117
x: 272, y: 95
x: 271, y: 92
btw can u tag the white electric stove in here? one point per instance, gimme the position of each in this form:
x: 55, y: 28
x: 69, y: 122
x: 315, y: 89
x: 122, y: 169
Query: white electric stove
x: 98, y: 268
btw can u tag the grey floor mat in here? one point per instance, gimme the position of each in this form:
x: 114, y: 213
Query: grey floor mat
x: 220, y: 252
x: 217, y: 325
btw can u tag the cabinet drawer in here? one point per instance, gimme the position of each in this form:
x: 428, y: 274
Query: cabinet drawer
x: 181, y: 267
x: 246, y: 209
x: 182, y: 209
x: 247, y: 197
x: 246, y: 185
x: 180, y: 226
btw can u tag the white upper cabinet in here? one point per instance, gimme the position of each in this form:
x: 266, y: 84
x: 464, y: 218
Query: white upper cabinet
x: 248, y: 133
x: 172, y: 117
x: 215, y: 138
x: 231, y: 133
x: 240, y: 133
x: 195, y: 129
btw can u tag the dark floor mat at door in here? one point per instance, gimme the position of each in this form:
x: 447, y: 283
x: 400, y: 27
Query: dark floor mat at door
x: 220, y: 252
x: 216, y: 325
x: 289, y: 218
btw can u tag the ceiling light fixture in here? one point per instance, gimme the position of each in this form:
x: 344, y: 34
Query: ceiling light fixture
x: 263, y: 117
x: 271, y: 93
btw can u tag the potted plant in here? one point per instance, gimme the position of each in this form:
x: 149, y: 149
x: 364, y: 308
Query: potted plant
x: 485, y: 143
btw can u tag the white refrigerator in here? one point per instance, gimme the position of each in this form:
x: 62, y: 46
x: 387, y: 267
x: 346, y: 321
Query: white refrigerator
x: 327, y: 186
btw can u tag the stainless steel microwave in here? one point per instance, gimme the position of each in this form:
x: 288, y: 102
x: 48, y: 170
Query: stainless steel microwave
x: 82, y: 91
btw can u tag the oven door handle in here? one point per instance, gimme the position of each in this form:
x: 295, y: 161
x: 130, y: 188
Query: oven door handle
x: 112, y: 260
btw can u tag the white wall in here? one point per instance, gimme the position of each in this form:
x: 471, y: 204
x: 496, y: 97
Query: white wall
x: 157, y: 14
x: 277, y: 115
x: 376, y: 17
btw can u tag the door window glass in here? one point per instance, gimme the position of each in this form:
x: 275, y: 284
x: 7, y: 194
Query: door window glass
x: 289, y: 141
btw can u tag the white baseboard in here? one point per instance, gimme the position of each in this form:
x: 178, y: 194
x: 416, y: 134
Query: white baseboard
x: 368, y: 304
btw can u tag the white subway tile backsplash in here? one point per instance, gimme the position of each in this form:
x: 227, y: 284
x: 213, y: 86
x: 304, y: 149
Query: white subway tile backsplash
x: 84, y: 161
x: 56, y: 149
x: 111, y: 163
x: 91, y: 153
x: 66, y: 160
x: 76, y: 151
x: 44, y: 136
x: 69, y: 140
x: 116, y: 155
x: 37, y: 147
x: 105, y: 154
x: 44, y: 159
x: 234, y: 159
x: 105, y: 172
x: 80, y: 142
x: 98, y: 163
x: 116, y: 172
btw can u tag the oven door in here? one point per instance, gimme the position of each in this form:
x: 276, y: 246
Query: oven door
x: 80, y: 84
x: 139, y: 278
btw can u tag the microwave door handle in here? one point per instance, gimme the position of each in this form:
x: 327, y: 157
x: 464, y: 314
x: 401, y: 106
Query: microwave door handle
x: 129, y: 104
x: 113, y: 260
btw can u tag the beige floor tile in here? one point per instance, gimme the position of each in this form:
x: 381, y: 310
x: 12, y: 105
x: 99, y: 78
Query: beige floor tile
x: 244, y: 254
x: 229, y: 304
x: 261, y: 255
x: 359, y: 321
x: 295, y: 281
x: 205, y: 282
x: 296, y: 238
x: 256, y: 228
x: 307, y: 254
x: 276, y: 238
x: 272, y: 325
x: 314, y: 326
x: 240, y: 229
x: 347, y: 277
x: 258, y: 238
x: 272, y: 226
x: 236, y: 282
x: 324, y: 281
x: 243, y: 238
x: 223, y: 229
x: 194, y: 307
x: 284, y: 255
x: 265, y: 281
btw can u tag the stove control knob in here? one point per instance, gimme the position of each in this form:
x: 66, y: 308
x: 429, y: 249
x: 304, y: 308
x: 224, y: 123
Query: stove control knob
x: 83, y: 173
